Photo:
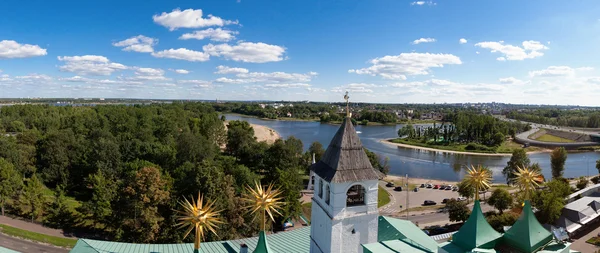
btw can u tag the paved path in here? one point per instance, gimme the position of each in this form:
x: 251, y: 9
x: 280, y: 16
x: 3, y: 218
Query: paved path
x: 25, y: 225
x: 25, y: 246
x: 580, y: 245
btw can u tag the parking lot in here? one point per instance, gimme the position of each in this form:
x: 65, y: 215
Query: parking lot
x: 416, y: 199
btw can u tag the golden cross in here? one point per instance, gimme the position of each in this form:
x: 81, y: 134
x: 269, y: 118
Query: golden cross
x: 346, y: 97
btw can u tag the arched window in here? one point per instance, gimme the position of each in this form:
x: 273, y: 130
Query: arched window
x: 320, y: 188
x: 355, y: 196
x: 327, y: 190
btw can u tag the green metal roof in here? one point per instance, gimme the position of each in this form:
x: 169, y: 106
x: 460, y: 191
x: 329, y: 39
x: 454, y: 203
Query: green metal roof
x: 297, y: 240
x: 527, y: 234
x: 453, y: 248
x: 5, y: 250
x: 391, y: 246
x: 476, y: 232
x: 406, y: 231
x: 263, y: 245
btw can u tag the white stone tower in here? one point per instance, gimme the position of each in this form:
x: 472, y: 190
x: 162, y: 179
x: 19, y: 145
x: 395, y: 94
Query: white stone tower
x: 344, y: 212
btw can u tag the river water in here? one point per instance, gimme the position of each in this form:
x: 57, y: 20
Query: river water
x: 420, y: 163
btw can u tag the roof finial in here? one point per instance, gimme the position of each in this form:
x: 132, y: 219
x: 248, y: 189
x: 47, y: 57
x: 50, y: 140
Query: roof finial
x: 346, y: 97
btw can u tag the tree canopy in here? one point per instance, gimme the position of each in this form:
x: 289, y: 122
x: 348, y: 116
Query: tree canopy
x: 558, y: 157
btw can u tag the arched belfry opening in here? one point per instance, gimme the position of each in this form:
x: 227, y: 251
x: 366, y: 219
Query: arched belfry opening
x: 355, y: 196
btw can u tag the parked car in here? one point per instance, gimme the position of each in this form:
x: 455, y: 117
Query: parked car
x: 429, y: 203
x: 461, y: 199
x: 416, y: 189
x: 455, y: 188
x: 429, y: 186
x: 422, y: 185
x: 398, y: 188
x: 436, y: 187
x: 390, y: 184
x: 448, y: 188
x: 444, y: 201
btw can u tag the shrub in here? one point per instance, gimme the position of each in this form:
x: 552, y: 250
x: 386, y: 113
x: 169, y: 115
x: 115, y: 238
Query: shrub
x: 582, y: 183
x: 479, y: 147
x: 500, y: 220
x: 596, y: 179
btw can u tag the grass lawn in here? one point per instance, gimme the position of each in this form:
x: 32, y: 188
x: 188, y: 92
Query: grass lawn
x: 423, y: 208
x: 510, y: 146
x: 594, y: 240
x: 384, y: 197
x: 306, y: 209
x: 552, y: 138
x: 57, y: 241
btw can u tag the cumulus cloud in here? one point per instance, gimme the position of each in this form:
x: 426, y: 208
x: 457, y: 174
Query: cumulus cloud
x: 138, y: 43
x: 189, y: 18
x: 11, y: 49
x: 273, y: 77
x: 89, y: 65
x: 530, y: 49
x: 399, y: 66
x: 423, y: 40
x: 511, y: 80
x: 180, y: 71
x: 218, y: 34
x: 594, y: 80
x: 80, y: 79
x: 147, y: 74
x: 553, y: 71
x: 39, y: 77
x: 228, y: 70
x: 287, y: 85
x: 197, y: 83
x: 344, y: 88
x: 462, y: 41
x: 182, y: 54
x: 247, y: 52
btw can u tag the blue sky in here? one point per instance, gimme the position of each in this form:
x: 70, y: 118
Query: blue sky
x: 380, y: 51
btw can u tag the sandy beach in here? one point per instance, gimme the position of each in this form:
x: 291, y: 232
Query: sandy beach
x: 452, y: 151
x: 263, y: 133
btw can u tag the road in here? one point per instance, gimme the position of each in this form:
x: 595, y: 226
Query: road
x: 25, y: 246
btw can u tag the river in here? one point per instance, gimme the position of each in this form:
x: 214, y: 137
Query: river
x: 420, y: 163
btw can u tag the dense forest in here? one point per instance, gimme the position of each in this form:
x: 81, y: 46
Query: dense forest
x: 571, y: 118
x: 117, y: 172
x: 465, y: 127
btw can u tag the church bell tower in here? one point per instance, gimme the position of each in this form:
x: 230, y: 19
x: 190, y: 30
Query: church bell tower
x: 344, y: 212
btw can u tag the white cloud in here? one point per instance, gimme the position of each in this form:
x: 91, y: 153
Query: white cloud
x: 228, y: 70
x: 180, y: 71
x: 182, y: 54
x: 347, y: 88
x: 38, y: 77
x: 198, y: 83
x: 531, y: 49
x: 138, y: 43
x: 11, y: 49
x: 399, y: 66
x: 511, y: 80
x: 421, y: 3
x: 462, y: 41
x: 594, y: 80
x: 287, y: 85
x: 477, y: 52
x: 79, y: 79
x: 189, y: 18
x: 89, y: 65
x: 423, y: 40
x: 247, y: 52
x: 148, y: 71
x: 210, y: 33
x: 553, y: 71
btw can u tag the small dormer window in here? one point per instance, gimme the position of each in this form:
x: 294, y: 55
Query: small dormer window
x: 355, y: 196
x: 327, y: 190
x: 320, y: 188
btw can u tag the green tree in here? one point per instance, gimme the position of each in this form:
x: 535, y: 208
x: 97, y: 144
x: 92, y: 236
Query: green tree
x: 558, y: 157
x: 598, y: 166
x: 10, y: 182
x: 500, y: 199
x: 142, y: 195
x: 551, y: 201
x: 317, y: 149
x: 457, y: 210
x: 465, y: 190
x: 582, y: 183
x: 407, y: 130
x: 32, y: 198
x: 104, y: 191
x: 518, y: 159
x: 497, y: 139
x: 498, y: 221
x: 240, y: 136
x: 59, y: 213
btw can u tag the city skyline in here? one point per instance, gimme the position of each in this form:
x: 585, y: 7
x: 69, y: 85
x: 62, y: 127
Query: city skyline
x: 381, y: 52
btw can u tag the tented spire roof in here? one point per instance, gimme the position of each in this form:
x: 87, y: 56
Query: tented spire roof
x: 262, y: 246
x: 476, y: 232
x: 345, y: 160
x: 527, y: 234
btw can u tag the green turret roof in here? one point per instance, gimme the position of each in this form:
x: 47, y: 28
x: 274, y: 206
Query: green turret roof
x: 476, y: 232
x: 527, y: 234
x: 262, y: 246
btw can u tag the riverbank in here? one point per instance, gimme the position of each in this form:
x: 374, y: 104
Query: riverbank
x: 418, y: 121
x: 388, y: 142
x: 263, y: 133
